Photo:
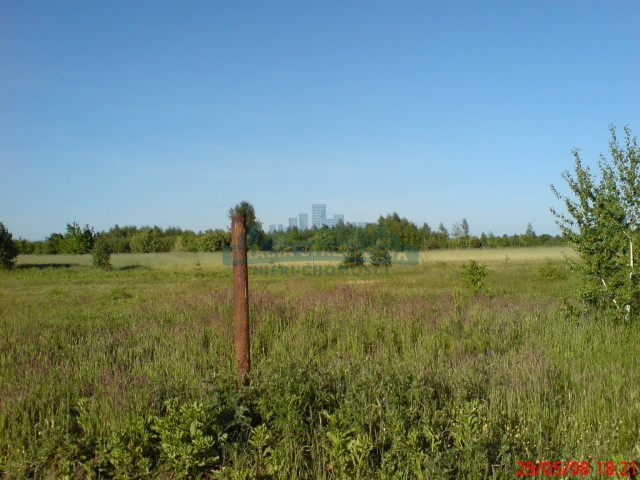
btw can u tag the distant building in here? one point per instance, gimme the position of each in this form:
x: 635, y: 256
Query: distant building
x: 328, y: 222
x: 318, y: 214
x: 280, y: 228
x: 272, y: 228
x: 293, y: 222
x: 304, y: 221
x: 338, y: 219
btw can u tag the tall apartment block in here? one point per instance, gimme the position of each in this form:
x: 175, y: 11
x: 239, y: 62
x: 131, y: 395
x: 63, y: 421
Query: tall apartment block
x: 318, y: 214
x: 304, y: 221
x: 293, y: 222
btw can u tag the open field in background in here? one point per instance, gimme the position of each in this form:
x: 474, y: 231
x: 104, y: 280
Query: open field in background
x: 202, y: 260
x: 128, y: 374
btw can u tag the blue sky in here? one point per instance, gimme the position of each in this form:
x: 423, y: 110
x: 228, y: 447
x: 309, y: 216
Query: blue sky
x: 168, y: 113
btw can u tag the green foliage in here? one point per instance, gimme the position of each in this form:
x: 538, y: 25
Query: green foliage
x: 214, y: 241
x: 373, y: 380
x: 101, y: 254
x: 53, y: 244
x: 145, y: 241
x: 602, y: 224
x: 549, y: 270
x: 379, y: 255
x: 77, y: 241
x: 245, y: 208
x: 192, y: 436
x: 8, y: 248
x: 353, y: 253
x: 25, y: 247
x: 474, y: 274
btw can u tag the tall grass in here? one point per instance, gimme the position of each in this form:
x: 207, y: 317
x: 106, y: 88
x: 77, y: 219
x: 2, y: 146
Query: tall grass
x: 128, y: 374
x: 214, y: 260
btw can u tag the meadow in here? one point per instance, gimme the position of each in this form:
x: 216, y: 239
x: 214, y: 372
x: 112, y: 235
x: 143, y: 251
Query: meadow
x: 402, y: 375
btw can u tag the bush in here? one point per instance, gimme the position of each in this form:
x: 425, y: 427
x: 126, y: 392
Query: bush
x: 102, y: 254
x: 144, y: 241
x: 550, y: 271
x: 379, y: 255
x: 8, y: 248
x: 474, y: 273
x: 353, y: 256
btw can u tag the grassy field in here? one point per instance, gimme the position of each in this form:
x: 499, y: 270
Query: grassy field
x: 406, y: 375
x: 214, y: 260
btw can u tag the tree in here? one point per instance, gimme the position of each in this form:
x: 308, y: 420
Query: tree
x: 379, y: 255
x: 101, y: 254
x: 601, y: 224
x: 77, y: 241
x: 249, y: 212
x: 255, y: 236
x: 144, y: 241
x: 460, y: 232
x: 8, y: 248
x: 53, y: 244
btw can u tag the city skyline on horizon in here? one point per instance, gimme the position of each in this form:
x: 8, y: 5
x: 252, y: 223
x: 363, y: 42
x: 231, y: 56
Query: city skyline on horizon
x: 318, y: 220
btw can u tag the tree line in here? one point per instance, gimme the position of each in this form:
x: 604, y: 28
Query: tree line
x: 392, y: 231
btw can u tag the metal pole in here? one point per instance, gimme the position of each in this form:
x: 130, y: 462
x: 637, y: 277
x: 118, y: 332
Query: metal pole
x: 242, y: 345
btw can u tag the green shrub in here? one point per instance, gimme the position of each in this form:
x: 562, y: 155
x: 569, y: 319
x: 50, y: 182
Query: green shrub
x: 101, y: 255
x: 8, y: 248
x: 550, y: 271
x: 144, y: 241
x: 77, y: 241
x: 474, y: 273
x: 353, y: 256
x: 379, y: 255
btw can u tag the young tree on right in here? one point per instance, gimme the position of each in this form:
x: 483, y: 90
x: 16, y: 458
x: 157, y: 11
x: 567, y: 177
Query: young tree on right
x: 601, y: 222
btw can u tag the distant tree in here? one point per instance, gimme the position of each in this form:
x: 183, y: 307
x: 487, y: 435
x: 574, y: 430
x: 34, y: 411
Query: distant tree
x: 249, y: 212
x: 186, y: 242
x: 460, y: 232
x: 256, y: 239
x: 379, y: 255
x: 144, y: 241
x: 8, y: 248
x: 101, y: 254
x: 77, y: 241
x: 25, y: 247
x: 353, y: 255
x: 602, y: 224
x: 475, y: 242
x: 53, y: 244
x: 214, y: 241
x: 529, y: 238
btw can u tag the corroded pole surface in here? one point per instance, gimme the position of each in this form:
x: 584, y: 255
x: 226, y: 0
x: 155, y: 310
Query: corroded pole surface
x: 240, y: 298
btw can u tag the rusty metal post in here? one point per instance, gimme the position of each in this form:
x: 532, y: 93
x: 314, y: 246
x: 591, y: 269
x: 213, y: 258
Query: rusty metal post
x: 242, y: 345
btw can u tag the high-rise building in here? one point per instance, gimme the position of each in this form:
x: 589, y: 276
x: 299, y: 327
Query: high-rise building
x: 272, y: 228
x: 304, y: 221
x: 293, y: 222
x: 318, y: 214
x: 338, y: 219
x: 280, y: 228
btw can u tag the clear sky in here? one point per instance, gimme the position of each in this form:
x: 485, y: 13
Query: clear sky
x: 168, y: 112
